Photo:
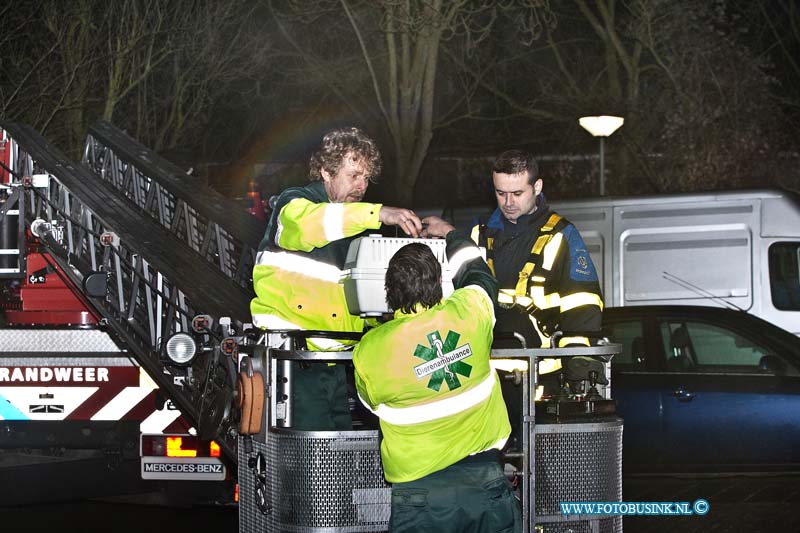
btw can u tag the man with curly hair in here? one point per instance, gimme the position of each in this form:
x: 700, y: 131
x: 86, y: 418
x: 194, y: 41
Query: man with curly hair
x: 297, y: 271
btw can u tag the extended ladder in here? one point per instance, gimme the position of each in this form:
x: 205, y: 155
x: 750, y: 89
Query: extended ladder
x: 154, y: 283
x: 214, y: 226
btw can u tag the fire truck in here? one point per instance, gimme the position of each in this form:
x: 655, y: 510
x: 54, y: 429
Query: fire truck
x: 75, y: 403
x: 161, y: 265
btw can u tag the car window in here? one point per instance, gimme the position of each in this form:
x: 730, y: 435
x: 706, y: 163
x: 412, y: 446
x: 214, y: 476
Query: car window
x: 629, y: 335
x: 784, y: 275
x: 697, y: 346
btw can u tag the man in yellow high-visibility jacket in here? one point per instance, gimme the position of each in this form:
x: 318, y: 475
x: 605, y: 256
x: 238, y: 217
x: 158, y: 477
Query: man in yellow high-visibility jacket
x: 297, y: 271
x: 426, y: 375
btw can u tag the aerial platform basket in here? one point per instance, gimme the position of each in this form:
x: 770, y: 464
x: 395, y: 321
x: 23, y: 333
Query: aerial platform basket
x: 332, y: 481
x: 318, y: 481
x: 314, y: 481
x: 578, y: 462
x: 308, y: 481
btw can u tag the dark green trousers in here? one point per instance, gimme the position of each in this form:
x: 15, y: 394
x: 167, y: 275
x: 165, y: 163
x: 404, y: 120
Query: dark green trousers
x: 464, y: 497
x: 319, y: 397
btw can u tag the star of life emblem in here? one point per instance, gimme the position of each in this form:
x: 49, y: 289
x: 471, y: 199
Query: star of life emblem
x: 443, y: 360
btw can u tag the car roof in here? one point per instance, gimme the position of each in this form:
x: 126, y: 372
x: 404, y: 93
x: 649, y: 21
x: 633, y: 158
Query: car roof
x: 701, y: 312
x: 688, y: 310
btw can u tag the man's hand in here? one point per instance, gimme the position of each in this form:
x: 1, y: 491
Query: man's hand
x: 405, y: 219
x: 436, y: 227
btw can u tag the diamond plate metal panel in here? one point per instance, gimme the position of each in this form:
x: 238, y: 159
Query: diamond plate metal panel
x: 11, y: 360
x: 20, y: 340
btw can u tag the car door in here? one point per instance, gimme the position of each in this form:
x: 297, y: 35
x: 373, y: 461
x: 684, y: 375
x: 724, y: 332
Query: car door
x: 636, y: 388
x: 731, y: 399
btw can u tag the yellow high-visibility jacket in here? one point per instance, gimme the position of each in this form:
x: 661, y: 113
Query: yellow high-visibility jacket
x: 297, y: 271
x: 427, y: 377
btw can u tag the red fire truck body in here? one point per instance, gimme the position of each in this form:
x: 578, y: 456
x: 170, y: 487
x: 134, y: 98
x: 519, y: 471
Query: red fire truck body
x: 75, y: 407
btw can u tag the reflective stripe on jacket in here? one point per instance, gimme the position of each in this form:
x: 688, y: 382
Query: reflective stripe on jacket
x: 427, y: 376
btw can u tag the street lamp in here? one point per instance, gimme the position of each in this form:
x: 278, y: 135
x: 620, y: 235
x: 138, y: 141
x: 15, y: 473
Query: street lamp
x: 602, y: 126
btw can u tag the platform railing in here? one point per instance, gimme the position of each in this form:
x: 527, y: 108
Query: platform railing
x: 286, y: 506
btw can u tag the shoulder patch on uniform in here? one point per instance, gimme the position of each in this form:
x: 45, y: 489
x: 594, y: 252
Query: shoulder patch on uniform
x: 581, y: 267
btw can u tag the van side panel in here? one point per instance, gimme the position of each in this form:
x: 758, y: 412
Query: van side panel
x: 780, y: 218
x: 690, y: 253
x: 656, y: 252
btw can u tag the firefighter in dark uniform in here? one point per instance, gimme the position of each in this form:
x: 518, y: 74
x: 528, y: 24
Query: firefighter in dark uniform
x: 548, y: 283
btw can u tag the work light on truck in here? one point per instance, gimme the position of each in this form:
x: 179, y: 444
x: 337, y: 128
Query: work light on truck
x: 181, y: 349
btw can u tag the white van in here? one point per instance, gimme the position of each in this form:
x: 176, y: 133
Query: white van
x: 733, y: 249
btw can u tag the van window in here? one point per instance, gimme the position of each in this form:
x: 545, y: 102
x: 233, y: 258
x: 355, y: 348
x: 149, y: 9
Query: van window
x: 784, y: 275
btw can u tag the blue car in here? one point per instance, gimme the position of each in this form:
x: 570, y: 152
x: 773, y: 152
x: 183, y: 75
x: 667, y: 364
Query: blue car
x: 704, y: 389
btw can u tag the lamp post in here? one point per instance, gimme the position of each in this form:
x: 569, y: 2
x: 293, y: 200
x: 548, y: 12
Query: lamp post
x: 601, y: 126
